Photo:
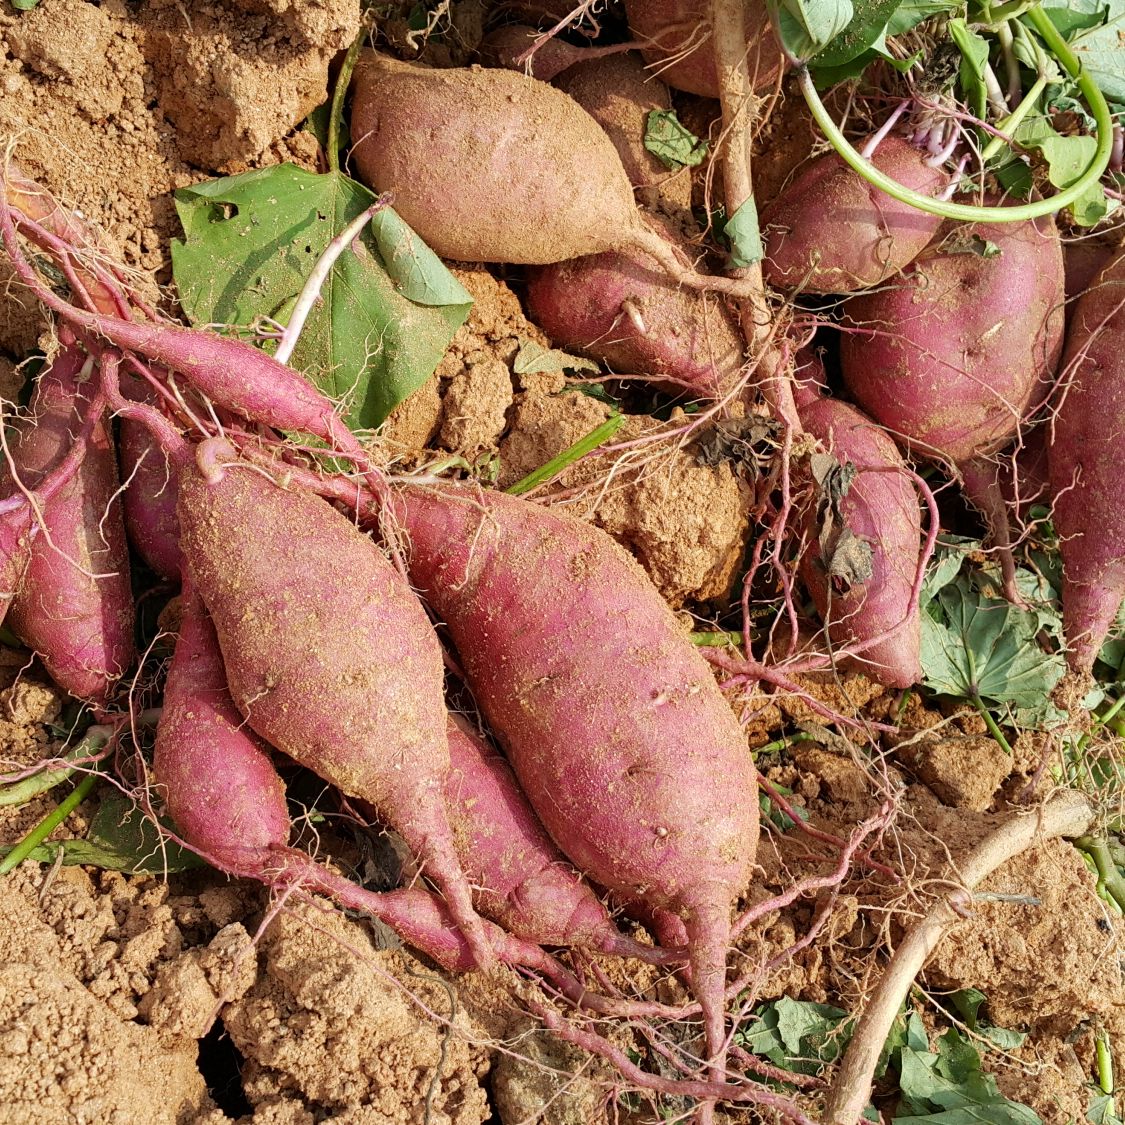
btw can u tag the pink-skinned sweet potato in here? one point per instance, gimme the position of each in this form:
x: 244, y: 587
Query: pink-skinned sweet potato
x: 74, y: 606
x: 611, y: 719
x: 864, y: 547
x: 619, y: 94
x: 830, y: 231
x: 477, y: 172
x: 521, y: 880
x: 622, y: 309
x: 953, y: 354
x: 962, y: 347
x: 150, y: 500
x: 339, y: 668
x: 1085, y: 466
x: 678, y: 48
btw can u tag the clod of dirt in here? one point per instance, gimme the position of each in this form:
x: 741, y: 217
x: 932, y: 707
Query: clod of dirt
x: 331, y: 1021
x: 683, y: 521
x: 475, y: 407
x: 964, y: 772
x: 413, y: 424
x: 545, y: 1081
x: 235, y: 82
x: 188, y: 992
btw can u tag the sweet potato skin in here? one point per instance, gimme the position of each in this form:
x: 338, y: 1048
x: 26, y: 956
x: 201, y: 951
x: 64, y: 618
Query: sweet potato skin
x: 149, y: 500
x: 593, y: 305
x: 1084, y: 461
x: 881, y: 509
x: 830, y: 231
x: 953, y: 354
x: 464, y: 151
x: 622, y: 766
x: 342, y: 671
x: 75, y: 604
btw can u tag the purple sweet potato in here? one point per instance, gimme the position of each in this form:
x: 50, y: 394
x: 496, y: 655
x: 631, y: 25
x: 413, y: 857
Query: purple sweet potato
x: 678, y: 48
x: 1085, y: 466
x: 831, y: 231
x: 864, y: 548
x: 611, y: 719
x: 521, y: 879
x: 74, y: 606
x: 619, y: 94
x: 337, y: 667
x: 952, y: 355
x: 622, y: 309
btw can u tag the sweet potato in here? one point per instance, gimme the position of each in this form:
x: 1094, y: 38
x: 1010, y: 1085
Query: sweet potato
x: 74, y: 606
x: 831, y: 231
x: 611, y: 719
x: 863, y: 558
x: 619, y: 94
x: 622, y: 309
x: 339, y: 669
x: 677, y: 37
x: 951, y: 356
x: 521, y: 879
x: 475, y: 170
x: 150, y: 499
x: 1085, y: 466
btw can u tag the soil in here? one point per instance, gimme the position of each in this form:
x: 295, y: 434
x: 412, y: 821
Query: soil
x: 193, y: 998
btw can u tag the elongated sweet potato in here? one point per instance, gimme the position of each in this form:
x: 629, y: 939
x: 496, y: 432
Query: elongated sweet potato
x: 1085, y: 466
x: 339, y: 669
x: 74, y: 606
x: 150, y: 499
x: 611, y: 719
x: 863, y: 558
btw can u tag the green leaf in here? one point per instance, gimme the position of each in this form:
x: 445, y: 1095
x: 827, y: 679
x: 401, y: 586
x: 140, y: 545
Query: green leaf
x: 974, y: 55
x: 1101, y: 48
x: 120, y: 838
x: 533, y: 358
x: 968, y: 1003
x: 910, y: 13
x: 744, y: 236
x: 975, y: 645
x: 1103, y: 1111
x: 387, y: 310
x: 671, y: 142
x: 24, y: 5
x: 867, y: 27
x: 808, y: 26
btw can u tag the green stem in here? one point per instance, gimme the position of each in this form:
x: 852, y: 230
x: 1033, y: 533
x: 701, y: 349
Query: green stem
x: 990, y: 722
x: 48, y: 824
x: 1104, y: 1062
x: 20, y: 792
x: 1111, y: 714
x: 784, y: 743
x: 336, y: 112
x: 1103, y: 119
x: 716, y: 640
x: 1014, y: 119
x: 1108, y: 874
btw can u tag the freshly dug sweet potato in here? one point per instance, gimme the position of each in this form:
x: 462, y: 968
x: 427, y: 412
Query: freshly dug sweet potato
x: 951, y: 356
x: 339, y: 668
x: 150, y: 499
x: 678, y: 49
x: 622, y: 309
x: 611, y: 719
x: 74, y: 606
x: 863, y: 556
x: 831, y: 231
x: 1085, y: 466
x: 493, y: 166
x: 521, y: 879
x: 619, y: 94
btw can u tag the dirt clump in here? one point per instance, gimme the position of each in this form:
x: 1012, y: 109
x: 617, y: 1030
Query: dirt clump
x: 331, y: 1021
